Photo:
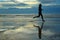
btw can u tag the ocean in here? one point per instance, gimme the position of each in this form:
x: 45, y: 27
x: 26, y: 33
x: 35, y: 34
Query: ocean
x: 25, y: 27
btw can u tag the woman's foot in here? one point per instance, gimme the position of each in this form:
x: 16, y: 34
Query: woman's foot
x: 43, y: 20
x: 36, y: 17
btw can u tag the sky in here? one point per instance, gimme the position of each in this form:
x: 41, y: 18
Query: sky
x: 26, y: 4
x: 30, y: 3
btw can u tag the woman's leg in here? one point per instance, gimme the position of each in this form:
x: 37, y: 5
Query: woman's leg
x: 42, y: 17
x: 37, y: 16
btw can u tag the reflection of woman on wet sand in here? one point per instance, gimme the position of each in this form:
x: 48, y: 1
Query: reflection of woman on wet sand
x: 39, y: 30
x: 40, y: 13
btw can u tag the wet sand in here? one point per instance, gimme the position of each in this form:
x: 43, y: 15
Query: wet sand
x: 24, y: 30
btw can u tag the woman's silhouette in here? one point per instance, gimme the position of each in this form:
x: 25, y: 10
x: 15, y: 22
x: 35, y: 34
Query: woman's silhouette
x: 39, y: 30
x: 40, y: 13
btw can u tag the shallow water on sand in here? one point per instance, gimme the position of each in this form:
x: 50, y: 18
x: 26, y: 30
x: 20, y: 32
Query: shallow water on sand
x: 23, y: 28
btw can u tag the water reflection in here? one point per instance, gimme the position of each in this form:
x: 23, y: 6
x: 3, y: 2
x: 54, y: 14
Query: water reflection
x: 25, y: 28
x: 39, y: 29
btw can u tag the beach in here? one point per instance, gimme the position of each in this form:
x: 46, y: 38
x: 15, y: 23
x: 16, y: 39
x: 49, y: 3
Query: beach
x: 21, y: 27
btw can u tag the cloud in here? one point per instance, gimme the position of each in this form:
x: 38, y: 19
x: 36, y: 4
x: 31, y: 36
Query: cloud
x: 21, y: 4
x: 4, y: 0
x: 0, y: 5
x: 13, y: 5
x: 23, y: 0
x: 26, y: 3
x: 7, y: 3
x: 22, y: 7
x: 49, y: 4
x: 29, y: 2
x: 35, y: 2
x: 46, y: 1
